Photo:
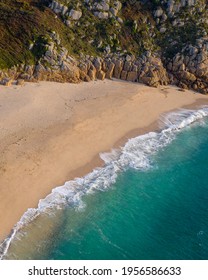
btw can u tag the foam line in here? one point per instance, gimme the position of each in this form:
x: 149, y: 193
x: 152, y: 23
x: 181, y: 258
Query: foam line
x: 137, y: 153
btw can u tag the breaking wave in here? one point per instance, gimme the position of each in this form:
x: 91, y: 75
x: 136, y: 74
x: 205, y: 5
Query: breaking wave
x: 137, y: 153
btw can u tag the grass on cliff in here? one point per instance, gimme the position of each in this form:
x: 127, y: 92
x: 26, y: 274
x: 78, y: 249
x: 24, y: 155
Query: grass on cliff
x: 24, y: 22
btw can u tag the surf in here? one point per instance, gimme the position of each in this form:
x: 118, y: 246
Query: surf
x: 137, y: 154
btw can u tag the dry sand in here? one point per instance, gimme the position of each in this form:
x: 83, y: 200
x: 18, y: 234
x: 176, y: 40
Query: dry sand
x: 51, y: 133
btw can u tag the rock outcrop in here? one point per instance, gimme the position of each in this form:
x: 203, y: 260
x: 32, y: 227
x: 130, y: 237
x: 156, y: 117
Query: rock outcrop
x: 152, y: 42
x: 190, y: 66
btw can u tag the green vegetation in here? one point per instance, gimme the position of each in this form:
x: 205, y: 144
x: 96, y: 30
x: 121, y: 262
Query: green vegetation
x: 26, y: 23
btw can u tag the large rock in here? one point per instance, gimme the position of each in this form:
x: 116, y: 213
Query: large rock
x: 110, y: 69
x: 75, y: 15
x: 20, y: 82
x: 98, y: 64
x: 116, y: 8
x: 101, y: 75
x: 40, y: 72
x: 158, y: 12
x: 103, y: 6
x: 83, y: 67
x: 64, y: 10
x: 127, y: 66
x: 70, y: 73
x: 124, y: 75
x: 102, y: 15
x: 25, y: 76
x: 117, y: 5
x: 92, y: 73
x: 29, y: 69
x: 150, y: 81
x: 132, y: 76
x: 6, y: 82
x: 118, y: 68
x: 185, y: 75
x: 114, y: 11
x: 84, y: 77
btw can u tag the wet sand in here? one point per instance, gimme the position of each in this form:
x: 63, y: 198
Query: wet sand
x: 51, y: 133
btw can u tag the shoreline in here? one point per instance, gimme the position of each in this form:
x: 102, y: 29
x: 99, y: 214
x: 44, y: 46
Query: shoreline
x: 98, y: 162
x: 75, y: 128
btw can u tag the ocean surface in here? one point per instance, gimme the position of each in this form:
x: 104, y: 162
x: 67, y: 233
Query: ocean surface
x: 149, y: 201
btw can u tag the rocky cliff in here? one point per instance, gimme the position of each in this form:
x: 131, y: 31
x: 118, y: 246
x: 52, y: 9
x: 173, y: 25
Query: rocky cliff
x: 154, y: 42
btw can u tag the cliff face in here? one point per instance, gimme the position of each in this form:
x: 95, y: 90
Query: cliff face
x: 155, y: 42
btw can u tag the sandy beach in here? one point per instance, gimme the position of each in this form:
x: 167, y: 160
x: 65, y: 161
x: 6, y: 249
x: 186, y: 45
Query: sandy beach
x: 51, y: 133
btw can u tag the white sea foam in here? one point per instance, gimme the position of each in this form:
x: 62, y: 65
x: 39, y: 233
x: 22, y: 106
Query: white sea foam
x: 137, y: 153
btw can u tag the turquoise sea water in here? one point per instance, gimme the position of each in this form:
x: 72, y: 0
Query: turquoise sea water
x: 155, y: 207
